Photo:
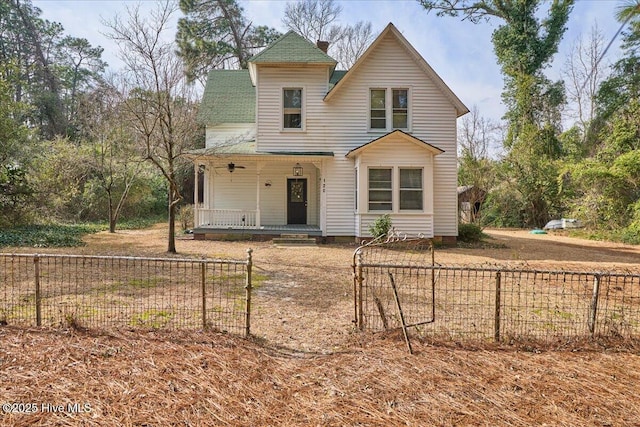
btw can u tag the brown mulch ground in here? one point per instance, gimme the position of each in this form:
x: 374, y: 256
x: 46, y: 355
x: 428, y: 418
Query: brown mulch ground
x: 306, y: 366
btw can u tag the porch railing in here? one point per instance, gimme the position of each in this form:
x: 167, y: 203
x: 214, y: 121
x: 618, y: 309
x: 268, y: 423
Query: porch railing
x: 226, y: 218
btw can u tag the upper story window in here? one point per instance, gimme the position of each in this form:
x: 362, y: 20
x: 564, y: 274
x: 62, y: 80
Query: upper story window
x: 389, y: 109
x: 378, y: 109
x: 400, y: 108
x: 292, y: 108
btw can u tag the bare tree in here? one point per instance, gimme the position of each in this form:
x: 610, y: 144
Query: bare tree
x: 354, y: 42
x: 159, y: 102
x: 318, y: 20
x: 314, y: 19
x: 477, y: 135
x: 583, y: 73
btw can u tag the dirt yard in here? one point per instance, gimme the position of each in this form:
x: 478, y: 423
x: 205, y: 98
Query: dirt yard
x: 307, y: 366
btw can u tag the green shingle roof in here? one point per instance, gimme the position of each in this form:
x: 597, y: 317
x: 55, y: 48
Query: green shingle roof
x: 336, y: 76
x: 292, y: 48
x: 229, y: 97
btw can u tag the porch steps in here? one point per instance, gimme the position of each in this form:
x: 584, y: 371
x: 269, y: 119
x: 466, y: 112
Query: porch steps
x: 294, y: 241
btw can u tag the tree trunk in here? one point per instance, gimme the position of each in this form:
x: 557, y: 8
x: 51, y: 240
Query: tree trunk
x: 172, y: 222
x: 112, y: 219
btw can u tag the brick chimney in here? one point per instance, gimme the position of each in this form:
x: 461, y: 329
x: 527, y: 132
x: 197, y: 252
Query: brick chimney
x: 322, y: 45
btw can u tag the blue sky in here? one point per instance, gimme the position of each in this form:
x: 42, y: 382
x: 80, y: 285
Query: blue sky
x: 459, y: 51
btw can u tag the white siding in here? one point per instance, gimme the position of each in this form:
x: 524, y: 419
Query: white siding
x: 411, y: 224
x: 238, y: 190
x: 228, y: 133
x: 235, y: 190
x: 341, y: 124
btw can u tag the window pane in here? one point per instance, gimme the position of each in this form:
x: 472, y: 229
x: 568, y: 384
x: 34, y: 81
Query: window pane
x: 411, y: 178
x: 379, y: 195
x: 379, y: 206
x: 380, y: 175
x: 378, y: 124
x: 411, y: 199
x: 377, y: 98
x: 292, y: 98
x: 293, y: 121
x: 400, y: 99
x: 400, y: 121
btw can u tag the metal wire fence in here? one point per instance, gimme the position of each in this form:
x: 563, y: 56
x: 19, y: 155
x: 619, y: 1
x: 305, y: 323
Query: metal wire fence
x: 102, y: 291
x: 491, y: 302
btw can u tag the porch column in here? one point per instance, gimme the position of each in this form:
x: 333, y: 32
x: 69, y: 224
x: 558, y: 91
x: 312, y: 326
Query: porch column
x: 259, y: 167
x: 323, y: 197
x: 196, y: 169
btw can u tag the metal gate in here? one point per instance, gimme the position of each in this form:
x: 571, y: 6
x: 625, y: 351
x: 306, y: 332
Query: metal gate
x: 394, y: 283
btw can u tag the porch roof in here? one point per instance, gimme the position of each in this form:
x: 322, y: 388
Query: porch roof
x: 248, y: 149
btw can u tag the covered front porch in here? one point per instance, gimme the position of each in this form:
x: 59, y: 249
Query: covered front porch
x: 259, y: 194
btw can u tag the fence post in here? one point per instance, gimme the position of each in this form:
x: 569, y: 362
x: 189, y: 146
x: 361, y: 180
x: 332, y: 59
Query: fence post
x: 248, y: 293
x: 496, y: 327
x: 433, y: 281
x: 36, y: 263
x: 593, y: 309
x: 203, y: 280
x: 360, y: 280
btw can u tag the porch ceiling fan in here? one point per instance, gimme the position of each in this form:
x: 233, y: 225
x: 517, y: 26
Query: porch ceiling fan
x: 230, y: 167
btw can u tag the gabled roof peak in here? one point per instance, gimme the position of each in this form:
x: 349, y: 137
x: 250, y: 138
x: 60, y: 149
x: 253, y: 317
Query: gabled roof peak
x: 391, y: 30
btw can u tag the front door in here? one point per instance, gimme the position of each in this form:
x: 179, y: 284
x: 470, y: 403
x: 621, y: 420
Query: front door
x: 297, y: 201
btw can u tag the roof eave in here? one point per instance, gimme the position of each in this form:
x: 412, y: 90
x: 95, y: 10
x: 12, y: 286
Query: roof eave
x: 405, y: 136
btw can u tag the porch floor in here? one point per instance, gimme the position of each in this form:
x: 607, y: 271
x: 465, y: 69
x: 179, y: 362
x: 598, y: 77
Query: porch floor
x: 311, y: 230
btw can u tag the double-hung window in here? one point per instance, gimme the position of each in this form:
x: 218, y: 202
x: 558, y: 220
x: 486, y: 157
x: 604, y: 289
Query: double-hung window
x: 400, y: 110
x: 396, y: 189
x: 410, y: 189
x: 378, y: 101
x: 380, y: 189
x: 292, y: 108
x: 388, y: 109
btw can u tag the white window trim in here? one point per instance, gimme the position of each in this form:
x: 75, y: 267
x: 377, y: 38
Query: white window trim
x: 393, y: 196
x: 388, y: 102
x: 303, y: 109
x: 422, y: 189
x: 395, y: 190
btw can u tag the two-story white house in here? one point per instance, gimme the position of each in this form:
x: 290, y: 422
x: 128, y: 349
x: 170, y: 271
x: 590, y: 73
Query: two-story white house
x: 293, y: 145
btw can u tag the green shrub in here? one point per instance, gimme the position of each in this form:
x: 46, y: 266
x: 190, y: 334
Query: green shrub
x: 185, y: 216
x: 46, y: 236
x: 469, y: 233
x: 380, y: 226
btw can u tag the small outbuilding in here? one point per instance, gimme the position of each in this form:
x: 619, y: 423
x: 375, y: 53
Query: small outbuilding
x: 470, y: 200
